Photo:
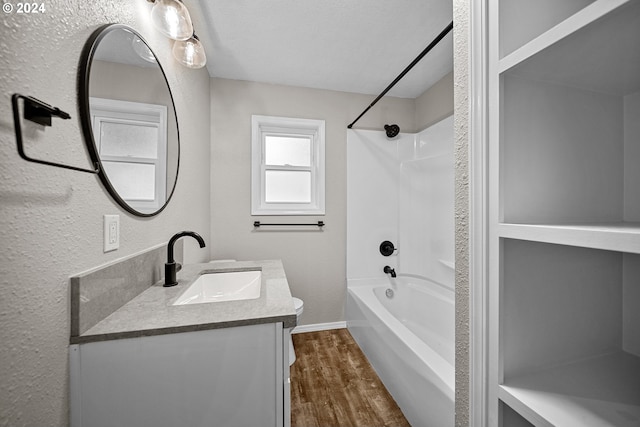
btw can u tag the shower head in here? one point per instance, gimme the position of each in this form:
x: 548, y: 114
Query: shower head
x: 392, y: 130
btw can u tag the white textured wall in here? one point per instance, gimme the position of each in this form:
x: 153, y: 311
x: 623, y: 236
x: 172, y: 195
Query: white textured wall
x: 461, y: 137
x: 314, y: 261
x: 51, y: 219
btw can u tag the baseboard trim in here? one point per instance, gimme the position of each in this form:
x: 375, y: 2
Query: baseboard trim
x: 319, y: 327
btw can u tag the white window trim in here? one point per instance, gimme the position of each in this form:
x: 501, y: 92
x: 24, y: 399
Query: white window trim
x: 135, y: 113
x: 262, y: 126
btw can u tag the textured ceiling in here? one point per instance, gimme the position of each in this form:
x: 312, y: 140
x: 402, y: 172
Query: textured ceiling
x: 345, y: 45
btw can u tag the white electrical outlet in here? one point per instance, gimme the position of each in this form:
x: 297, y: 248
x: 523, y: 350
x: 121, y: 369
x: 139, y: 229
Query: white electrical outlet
x: 111, y: 232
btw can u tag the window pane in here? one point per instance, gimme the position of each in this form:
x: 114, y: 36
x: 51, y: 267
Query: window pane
x: 124, y: 139
x: 287, y: 150
x: 288, y: 186
x: 132, y: 181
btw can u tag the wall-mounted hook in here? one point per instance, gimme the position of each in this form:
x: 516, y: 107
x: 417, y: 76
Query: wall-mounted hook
x: 41, y: 113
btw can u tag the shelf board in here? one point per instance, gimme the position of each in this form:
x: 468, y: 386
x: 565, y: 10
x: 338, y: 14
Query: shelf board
x: 622, y: 237
x: 594, y: 49
x: 567, y: 27
x: 601, y: 391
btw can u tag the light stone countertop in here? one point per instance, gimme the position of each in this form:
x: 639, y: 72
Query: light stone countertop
x: 151, y: 312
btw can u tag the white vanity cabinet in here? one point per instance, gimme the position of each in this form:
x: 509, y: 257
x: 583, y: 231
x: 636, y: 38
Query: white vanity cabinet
x: 235, y: 376
x: 564, y: 228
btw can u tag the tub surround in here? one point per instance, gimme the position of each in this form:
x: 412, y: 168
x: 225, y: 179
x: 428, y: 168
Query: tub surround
x: 151, y: 312
x: 415, y: 173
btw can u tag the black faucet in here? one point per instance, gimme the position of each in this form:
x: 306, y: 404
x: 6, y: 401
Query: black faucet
x: 170, y: 267
x: 389, y: 270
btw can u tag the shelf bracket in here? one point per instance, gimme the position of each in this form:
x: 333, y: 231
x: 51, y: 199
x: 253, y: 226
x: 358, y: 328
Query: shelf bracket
x: 40, y: 113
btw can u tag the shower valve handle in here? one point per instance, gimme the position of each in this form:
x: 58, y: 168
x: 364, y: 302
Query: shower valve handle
x: 387, y: 248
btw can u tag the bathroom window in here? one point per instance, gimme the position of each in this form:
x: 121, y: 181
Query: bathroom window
x: 287, y: 166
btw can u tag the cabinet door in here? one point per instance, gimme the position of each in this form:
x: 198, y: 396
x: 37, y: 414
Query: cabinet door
x: 226, y: 377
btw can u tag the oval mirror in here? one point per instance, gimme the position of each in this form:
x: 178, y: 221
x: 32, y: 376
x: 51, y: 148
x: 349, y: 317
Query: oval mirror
x: 129, y: 119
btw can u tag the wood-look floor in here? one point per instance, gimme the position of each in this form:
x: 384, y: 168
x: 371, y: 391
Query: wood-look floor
x: 333, y: 385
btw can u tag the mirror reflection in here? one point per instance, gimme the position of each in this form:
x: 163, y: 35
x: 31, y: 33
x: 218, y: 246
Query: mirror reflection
x: 132, y: 121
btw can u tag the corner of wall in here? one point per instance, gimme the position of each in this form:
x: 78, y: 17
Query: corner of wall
x: 435, y: 104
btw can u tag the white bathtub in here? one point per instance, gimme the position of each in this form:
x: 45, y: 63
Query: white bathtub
x: 409, y: 341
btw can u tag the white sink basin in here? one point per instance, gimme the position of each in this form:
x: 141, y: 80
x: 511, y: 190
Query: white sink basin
x: 228, y: 286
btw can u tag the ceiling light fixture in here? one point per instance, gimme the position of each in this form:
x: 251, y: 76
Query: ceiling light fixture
x: 190, y: 53
x: 172, y: 19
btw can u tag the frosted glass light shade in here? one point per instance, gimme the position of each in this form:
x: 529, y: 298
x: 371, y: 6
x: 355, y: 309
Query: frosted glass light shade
x: 172, y: 19
x: 190, y: 53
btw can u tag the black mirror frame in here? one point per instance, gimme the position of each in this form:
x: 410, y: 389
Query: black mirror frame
x: 84, y: 73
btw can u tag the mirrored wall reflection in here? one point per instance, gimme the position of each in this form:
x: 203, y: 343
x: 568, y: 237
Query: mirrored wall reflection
x: 131, y: 138
x: 132, y: 120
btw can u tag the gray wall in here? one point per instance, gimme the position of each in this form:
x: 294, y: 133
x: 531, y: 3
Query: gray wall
x: 51, y: 219
x: 435, y: 104
x: 315, y: 262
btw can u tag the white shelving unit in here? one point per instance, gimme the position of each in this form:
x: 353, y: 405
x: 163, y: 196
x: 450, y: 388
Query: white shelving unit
x: 622, y: 236
x: 564, y: 274
x: 596, y: 392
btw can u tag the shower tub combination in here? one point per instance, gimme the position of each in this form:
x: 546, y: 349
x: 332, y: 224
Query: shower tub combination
x: 405, y: 327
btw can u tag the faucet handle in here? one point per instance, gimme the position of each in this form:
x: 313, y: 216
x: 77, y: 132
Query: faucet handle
x: 387, y: 248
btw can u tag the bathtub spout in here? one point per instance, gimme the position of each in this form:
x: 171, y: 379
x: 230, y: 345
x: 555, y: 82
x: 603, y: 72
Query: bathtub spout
x: 389, y: 270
